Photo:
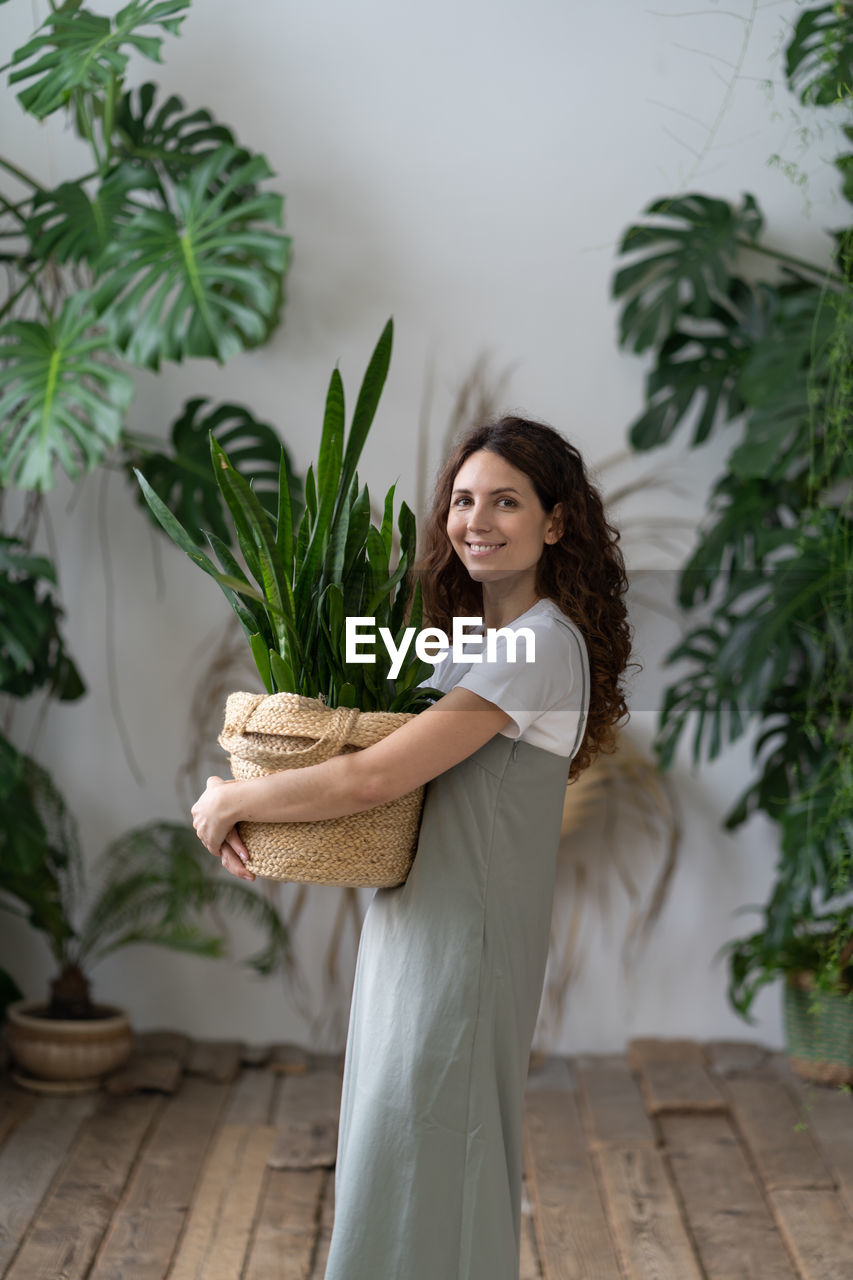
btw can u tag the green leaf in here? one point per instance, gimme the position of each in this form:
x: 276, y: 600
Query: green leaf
x: 60, y: 399
x: 70, y: 226
x: 202, y: 277
x: 75, y: 49
x: 261, y: 654
x: 819, y: 56
x: 688, y: 254
x: 365, y: 408
x: 331, y: 444
x: 184, y: 478
x: 167, y: 136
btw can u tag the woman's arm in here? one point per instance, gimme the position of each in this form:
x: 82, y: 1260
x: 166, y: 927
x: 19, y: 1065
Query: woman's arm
x: 440, y: 737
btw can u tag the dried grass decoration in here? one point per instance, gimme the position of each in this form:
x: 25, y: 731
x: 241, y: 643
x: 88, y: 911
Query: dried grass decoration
x: 374, y: 848
x: 301, y: 574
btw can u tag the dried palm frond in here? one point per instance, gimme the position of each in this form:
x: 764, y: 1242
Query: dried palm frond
x: 620, y: 828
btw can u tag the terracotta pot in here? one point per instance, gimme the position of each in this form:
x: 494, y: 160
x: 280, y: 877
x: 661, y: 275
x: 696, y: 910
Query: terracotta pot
x: 63, y: 1056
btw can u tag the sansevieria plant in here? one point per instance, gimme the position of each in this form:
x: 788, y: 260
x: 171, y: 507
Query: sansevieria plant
x: 296, y: 585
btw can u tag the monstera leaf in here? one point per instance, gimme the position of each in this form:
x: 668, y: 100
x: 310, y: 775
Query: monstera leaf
x: 73, y: 227
x: 32, y: 653
x: 166, y: 135
x: 203, y: 278
x: 819, y: 58
x: 687, y: 260
x: 75, y: 49
x: 186, y: 482
x: 60, y: 399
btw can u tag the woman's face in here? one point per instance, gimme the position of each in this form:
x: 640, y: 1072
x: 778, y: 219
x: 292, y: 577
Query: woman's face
x: 496, y: 523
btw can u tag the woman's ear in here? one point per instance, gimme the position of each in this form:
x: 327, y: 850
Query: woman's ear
x: 554, y: 532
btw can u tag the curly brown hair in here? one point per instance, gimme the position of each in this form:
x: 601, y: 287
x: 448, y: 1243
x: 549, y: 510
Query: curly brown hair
x: 583, y: 572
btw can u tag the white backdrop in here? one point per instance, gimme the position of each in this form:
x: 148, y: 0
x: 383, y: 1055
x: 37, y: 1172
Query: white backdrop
x: 468, y: 167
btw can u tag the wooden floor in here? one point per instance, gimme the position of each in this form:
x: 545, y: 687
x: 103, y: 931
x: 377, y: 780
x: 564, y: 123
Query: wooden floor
x: 675, y: 1161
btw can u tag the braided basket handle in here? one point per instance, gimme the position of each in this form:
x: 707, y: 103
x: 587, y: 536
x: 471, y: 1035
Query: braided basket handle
x: 339, y: 722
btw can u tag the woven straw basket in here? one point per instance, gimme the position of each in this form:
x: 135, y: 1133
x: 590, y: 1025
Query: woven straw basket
x: 374, y: 848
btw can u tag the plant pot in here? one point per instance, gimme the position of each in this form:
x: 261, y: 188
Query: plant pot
x: 371, y: 849
x: 56, y: 1056
x: 819, y: 1028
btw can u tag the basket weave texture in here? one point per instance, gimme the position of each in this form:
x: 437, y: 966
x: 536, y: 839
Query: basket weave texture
x: 819, y: 1029
x: 373, y: 848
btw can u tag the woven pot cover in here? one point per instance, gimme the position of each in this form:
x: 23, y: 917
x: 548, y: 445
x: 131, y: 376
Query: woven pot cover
x: 374, y: 848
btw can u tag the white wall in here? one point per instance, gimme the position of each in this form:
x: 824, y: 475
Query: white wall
x: 468, y: 167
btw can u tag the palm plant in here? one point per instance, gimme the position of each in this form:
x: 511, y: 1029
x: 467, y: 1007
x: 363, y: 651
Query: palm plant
x: 771, y: 573
x: 334, y: 564
x: 153, y: 887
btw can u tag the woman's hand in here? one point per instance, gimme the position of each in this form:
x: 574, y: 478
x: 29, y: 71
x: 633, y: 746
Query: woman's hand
x: 216, y: 829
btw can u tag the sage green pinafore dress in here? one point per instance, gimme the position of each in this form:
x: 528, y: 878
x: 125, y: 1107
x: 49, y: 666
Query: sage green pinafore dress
x: 447, y: 989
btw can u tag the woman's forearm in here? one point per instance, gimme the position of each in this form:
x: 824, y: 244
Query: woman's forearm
x: 328, y: 790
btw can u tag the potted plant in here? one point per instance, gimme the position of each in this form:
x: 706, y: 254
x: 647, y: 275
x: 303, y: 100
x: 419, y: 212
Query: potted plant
x: 153, y: 887
x: 771, y: 571
x: 308, y: 580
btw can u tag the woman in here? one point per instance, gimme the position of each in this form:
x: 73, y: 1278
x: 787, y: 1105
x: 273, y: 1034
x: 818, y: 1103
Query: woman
x: 451, y: 964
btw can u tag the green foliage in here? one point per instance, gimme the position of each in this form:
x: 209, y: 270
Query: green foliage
x: 297, y: 584
x: 185, y: 480
x: 60, y: 398
x: 32, y: 653
x: 203, y: 276
x: 771, y: 575
x: 77, y: 51
x: 155, y: 884
x: 818, y: 950
x: 819, y: 57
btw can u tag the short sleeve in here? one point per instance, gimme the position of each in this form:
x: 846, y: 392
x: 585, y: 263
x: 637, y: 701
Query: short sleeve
x: 526, y: 690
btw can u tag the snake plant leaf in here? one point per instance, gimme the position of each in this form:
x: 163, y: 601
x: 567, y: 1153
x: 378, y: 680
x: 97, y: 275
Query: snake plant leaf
x: 166, y: 135
x: 330, y: 457
x: 75, y: 49
x: 688, y: 254
x: 240, y: 593
x: 61, y: 401
x: 819, y: 57
x: 366, y: 405
x: 203, y: 276
x: 184, y: 479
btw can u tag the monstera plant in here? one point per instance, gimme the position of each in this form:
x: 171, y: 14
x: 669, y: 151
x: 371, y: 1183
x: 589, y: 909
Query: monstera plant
x: 767, y: 586
x: 169, y: 246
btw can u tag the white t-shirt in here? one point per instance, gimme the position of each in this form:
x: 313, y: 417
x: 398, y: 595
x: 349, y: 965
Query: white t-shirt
x: 548, y: 699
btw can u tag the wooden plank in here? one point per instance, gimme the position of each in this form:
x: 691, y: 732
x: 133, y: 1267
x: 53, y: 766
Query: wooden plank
x: 30, y: 1158
x: 66, y: 1231
x: 769, y: 1121
x: 612, y: 1103
x: 217, y: 1060
x: 732, y: 1057
x: 255, y: 1055
x: 731, y: 1225
x: 288, y: 1223
x: 552, y: 1071
x: 572, y: 1235
x: 15, y: 1103
x: 218, y: 1229
x: 644, y: 1050
x: 529, y: 1268
x: 173, y: 1043
x: 324, y: 1234
x: 147, y: 1072
x: 290, y: 1059
x: 828, y: 1112
x: 651, y: 1238
x: 144, y: 1230
x: 679, y: 1086
x: 818, y: 1231
x: 251, y: 1098
x: 306, y: 1117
